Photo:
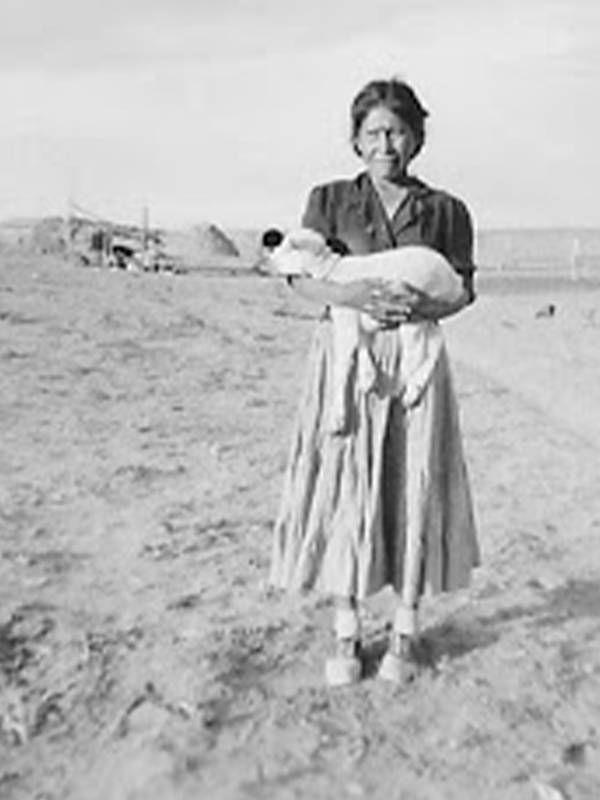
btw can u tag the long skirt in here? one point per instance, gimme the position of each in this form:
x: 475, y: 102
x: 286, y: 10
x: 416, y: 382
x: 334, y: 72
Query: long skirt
x: 386, y: 503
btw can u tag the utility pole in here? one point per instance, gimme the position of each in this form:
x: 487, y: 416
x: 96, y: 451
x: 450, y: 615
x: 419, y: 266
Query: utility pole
x: 145, y: 228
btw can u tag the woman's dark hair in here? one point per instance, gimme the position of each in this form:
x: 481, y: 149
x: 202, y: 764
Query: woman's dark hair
x: 399, y: 98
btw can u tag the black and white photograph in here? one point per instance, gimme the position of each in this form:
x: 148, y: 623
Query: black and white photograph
x: 299, y: 400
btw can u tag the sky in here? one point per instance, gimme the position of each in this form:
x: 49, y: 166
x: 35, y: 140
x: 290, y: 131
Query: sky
x: 229, y: 110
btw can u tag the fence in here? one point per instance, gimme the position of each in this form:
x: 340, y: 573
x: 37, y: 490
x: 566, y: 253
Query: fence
x: 562, y: 252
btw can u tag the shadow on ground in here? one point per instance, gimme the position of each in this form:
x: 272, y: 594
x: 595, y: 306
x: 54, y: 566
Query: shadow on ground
x: 452, y: 639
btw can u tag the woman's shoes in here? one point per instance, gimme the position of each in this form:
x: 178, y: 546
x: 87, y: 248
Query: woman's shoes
x: 345, y: 668
x: 399, y: 665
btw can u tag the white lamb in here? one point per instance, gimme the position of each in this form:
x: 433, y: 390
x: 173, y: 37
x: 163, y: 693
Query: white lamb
x: 306, y: 253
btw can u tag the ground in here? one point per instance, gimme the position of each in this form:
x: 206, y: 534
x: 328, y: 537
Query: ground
x: 145, y: 422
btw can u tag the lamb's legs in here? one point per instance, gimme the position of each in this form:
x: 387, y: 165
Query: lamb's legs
x: 422, y: 346
x: 345, y: 335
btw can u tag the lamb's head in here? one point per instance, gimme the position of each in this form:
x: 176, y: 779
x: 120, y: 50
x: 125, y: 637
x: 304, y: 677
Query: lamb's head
x: 300, y: 252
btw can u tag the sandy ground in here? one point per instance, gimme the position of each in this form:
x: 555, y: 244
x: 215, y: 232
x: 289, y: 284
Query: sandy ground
x: 145, y: 423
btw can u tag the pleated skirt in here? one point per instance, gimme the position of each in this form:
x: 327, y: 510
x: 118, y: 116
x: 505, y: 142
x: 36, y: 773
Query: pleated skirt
x: 388, y: 502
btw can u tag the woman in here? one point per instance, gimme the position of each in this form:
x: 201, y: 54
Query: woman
x: 387, y: 502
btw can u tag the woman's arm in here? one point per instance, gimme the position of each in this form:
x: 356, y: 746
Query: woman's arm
x: 319, y: 215
x: 369, y: 295
x: 390, y: 308
x: 424, y: 308
x: 460, y: 245
x: 458, y: 249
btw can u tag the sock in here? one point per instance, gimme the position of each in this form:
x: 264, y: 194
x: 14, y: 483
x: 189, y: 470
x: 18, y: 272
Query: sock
x: 406, y: 621
x: 346, y: 623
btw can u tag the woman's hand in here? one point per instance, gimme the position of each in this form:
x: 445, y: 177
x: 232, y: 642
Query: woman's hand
x: 391, y: 308
x: 388, y: 307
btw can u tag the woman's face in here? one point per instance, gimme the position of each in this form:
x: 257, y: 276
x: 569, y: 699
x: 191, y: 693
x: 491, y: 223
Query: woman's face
x: 386, y: 144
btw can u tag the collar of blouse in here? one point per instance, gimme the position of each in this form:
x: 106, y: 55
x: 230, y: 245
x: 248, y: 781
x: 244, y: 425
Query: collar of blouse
x: 366, y: 203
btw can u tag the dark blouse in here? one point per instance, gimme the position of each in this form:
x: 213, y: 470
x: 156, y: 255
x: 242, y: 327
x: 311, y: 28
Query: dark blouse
x: 351, y: 211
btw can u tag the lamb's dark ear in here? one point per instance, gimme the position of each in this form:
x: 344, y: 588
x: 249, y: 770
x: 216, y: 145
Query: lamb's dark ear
x: 338, y: 246
x: 271, y: 239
